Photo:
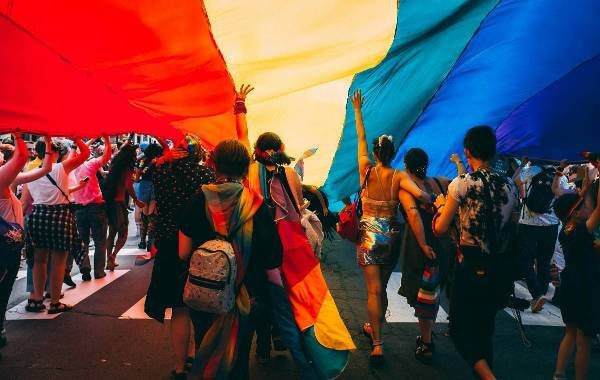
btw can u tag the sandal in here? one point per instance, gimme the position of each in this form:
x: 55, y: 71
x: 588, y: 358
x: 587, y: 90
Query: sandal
x: 60, y: 307
x: 368, y: 332
x: 424, y: 351
x: 376, y: 360
x: 34, y: 306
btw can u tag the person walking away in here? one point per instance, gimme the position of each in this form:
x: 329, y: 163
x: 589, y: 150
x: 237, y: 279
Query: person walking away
x: 145, y: 168
x: 538, y: 230
x: 228, y: 208
x: 424, y: 257
x: 90, y: 210
x: 486, y: 203
x: 51, y: 227
x: 178, y: 177
x: 378, y: 249
x: 580, y: 282
x: 117, y: 186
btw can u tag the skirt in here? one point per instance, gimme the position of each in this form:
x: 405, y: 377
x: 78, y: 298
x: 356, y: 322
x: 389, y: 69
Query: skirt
x: 53, y: 227
x: 378, y: 242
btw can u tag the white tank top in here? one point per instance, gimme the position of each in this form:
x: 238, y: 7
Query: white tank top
x: 43, y: 192
x: 11, y: 209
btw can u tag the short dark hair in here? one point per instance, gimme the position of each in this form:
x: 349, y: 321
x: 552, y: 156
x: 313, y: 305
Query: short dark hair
x: 40, y: 148
x: 231, y: 159
x: 383, y: 147
x: 480, y: 141
x: 563, y: 204
x: 416, y: 161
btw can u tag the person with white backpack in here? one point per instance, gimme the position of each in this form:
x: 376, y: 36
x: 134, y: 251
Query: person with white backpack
x: 230, y: 238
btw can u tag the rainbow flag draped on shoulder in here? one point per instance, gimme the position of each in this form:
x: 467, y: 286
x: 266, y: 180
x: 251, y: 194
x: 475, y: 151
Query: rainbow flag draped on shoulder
x: 326, y: 339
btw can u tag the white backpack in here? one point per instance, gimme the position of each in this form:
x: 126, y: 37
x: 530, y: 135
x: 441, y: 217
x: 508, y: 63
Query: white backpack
x: 210, y: 285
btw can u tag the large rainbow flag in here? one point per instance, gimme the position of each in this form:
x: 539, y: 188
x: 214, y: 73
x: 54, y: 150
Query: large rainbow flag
x: 429, y: 70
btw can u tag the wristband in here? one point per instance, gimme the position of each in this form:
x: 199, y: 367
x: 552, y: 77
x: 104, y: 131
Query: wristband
x: 239, y: 107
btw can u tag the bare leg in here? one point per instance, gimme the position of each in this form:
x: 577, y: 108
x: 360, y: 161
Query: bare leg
x: 582, y: 356
x: 57, y: 274
x: 110, y: 242
x: 426, y: 326
x: 483, y: 370
x: 121, y: 240
x: 375, y: 311
x: 40, y: 272
x: 192, y: 343
x: 180, y: 336
x: 565, y: 349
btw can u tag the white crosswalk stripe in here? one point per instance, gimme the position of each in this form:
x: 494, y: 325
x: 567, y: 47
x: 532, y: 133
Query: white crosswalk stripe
x: 72, y: 296
x: 137, y: 311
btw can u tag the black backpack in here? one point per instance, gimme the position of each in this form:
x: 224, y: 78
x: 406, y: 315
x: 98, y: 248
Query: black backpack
x: 539, y: 194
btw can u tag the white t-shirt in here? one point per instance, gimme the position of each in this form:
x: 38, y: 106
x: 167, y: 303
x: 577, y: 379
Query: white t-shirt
x: 531, y: 218
x: 43, y: 192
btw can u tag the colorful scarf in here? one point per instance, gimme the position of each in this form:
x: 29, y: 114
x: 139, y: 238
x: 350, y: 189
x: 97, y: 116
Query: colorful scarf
x: 231, y: 208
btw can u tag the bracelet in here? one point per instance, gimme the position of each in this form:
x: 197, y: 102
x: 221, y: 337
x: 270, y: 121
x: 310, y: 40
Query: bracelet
x: 239, y: 107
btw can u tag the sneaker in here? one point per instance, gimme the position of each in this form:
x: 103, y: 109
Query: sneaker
x: 86, y: 276
x: 178, y: 376
x: 98, y: 276
x: 142, y: 245
x: 537, y: 304
x: 69, y: 281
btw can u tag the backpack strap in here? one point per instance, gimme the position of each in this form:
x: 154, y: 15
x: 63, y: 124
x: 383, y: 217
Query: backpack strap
x: 52, y: 181
x: 490, y: 224
x: 363, y: 186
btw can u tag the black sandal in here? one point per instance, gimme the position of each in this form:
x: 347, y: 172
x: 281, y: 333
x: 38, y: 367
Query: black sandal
x: 34, y: 306
x: 424, y: 351
x: 60, y: 307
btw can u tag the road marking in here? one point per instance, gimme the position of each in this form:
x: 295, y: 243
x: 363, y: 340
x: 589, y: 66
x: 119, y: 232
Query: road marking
x: 549, y: 316
x: 137, y: 311
x: 398, y: 309
x: 72, y: 296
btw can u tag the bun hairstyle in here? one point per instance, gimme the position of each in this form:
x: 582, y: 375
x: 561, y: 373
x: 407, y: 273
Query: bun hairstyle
x: 270, y: 141
x: 383, y: 147
x: 416, y: 161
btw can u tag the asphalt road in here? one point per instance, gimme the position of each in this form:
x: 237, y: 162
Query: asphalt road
x: 108, y: 337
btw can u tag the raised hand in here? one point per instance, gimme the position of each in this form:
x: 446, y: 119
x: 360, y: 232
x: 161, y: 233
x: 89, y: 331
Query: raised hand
x: 455, y: 158
x: 244, y: 90
x: 357, y: 99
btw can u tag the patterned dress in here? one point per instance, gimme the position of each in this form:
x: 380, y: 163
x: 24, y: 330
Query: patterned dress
x: 175, y: 185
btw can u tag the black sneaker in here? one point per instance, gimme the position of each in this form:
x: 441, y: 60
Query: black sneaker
x: 86, y: 276
x: 98, y: 276
x: 142, y: 245
x: 69, y: 281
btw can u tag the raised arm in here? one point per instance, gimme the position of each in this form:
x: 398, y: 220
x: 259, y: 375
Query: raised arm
x: 460, y: 168
x: 33, y: 174
x: 10, y: 170
x: 364, y: 162
x: 240, y: 115
x: 107, y: 153
x: 415, y: 222
x: 79, y: 158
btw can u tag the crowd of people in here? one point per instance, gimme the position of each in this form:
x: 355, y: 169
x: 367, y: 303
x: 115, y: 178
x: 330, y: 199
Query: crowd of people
x: 472, y: 236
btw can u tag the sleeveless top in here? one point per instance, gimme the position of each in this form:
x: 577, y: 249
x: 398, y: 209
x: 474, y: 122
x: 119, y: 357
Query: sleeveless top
x: 378, y: 208
x: 11, y: 209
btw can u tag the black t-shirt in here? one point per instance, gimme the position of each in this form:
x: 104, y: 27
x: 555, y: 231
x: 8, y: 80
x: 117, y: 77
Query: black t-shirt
x: 267, y: 251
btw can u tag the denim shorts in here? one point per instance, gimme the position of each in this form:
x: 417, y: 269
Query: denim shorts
x: 145, y: 191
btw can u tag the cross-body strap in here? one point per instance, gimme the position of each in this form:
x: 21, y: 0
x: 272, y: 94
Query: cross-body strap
x: 52, y: 181
x: 364, y: 184
x: 490, y: 221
